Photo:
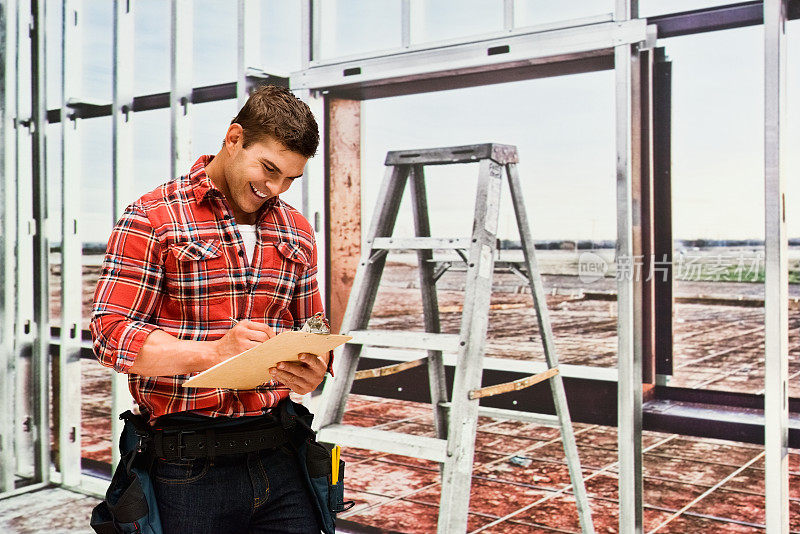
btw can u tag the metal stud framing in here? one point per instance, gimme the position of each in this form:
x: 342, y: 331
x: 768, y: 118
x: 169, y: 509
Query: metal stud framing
x: 181, y: 49
x: 8, y: 224
x: 248, y: 46
x: 122, y: 167
x: 24, y: 317
x: 69, y: 365
x: 23, y: 310
x: 629, y: 355
x: 40, y: 357
x: 776, y: 287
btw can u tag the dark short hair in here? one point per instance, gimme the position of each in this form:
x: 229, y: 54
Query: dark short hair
x: 273, y: 111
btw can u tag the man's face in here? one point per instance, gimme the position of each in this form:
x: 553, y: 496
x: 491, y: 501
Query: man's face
x: 263, y: 170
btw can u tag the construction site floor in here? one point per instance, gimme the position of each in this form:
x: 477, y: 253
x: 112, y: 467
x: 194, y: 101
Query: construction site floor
x: 520, y: 482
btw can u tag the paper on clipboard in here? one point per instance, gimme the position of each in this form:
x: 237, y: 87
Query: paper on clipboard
x: 250, y: 369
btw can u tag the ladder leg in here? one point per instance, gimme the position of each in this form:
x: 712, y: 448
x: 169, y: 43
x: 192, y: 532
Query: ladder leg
x: 545, y: 328
x: 362, y: 296
x: 457, y: 477
x: 430, y: 303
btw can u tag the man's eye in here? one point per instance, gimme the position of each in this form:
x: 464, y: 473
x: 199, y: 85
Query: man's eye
x: 269, y: 169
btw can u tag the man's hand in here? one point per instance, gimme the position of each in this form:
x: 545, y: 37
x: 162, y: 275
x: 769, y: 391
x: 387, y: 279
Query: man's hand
x: 245, y: 335
x: 304, y: 376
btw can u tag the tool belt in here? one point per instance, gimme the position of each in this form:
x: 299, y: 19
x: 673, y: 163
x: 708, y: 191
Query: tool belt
x: 211, y: 439
x: 130, y: 502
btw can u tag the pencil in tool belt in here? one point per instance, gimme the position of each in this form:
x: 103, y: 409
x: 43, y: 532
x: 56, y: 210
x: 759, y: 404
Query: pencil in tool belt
x: 335, y: 455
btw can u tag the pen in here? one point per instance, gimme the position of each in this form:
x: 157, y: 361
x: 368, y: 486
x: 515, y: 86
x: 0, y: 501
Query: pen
x: 234, y: 321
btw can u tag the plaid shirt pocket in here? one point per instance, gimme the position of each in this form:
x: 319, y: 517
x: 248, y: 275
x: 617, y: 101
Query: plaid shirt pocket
x: 285, y: 263
x: 196, y: 275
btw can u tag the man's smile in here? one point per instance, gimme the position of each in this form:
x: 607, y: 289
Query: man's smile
x: 258, y: 193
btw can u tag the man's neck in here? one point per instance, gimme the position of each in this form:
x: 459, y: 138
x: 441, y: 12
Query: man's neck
x: 215, y: 170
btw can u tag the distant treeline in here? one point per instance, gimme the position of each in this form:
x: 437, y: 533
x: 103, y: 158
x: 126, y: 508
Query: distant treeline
x: 561, y: 244
x: 564, y: 244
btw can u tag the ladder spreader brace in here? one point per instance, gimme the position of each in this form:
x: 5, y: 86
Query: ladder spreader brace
x: 456, y: 420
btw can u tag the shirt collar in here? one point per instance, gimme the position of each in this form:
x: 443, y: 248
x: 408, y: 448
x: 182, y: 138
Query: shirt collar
x: 202, y: 185
x: 198, y: 179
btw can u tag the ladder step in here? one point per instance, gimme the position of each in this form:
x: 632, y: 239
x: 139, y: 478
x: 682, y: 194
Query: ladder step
x: 516, y: 385
x: 542, y: 419
x: 387, y: 370
x: 421, y: 243
x: 385, y: 441
x: 406, y: 340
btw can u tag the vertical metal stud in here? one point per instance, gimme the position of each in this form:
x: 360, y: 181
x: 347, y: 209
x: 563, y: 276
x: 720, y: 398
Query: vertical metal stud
x: 122, y: 105
x: 776, y: 286
x: 314, y: 187
x: 40, y: 358
x: 248, y: 45
x: 315, y: 29
x: 181, y: 50
x: 629, y: 352
x: 306, y: 32
x: 315, y: 169
x: 26, y: 226
x: 508, y: 15
x: 69, y: 364
x: 122, y: 164
x: 8, y: 224
x: 405, y: 23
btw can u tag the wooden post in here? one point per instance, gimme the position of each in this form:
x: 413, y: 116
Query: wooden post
x: 343, y: 154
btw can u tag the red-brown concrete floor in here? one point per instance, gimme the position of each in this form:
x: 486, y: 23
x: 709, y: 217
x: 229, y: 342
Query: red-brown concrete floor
x: 400, y: 494
x: 682, y: 474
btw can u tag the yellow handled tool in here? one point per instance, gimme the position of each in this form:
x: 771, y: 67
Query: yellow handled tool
x: 336, y: 453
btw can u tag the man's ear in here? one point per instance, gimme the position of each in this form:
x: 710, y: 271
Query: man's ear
x: 233, y: 137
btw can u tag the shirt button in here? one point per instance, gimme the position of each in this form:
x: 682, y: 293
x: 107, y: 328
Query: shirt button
x: 241, y: 254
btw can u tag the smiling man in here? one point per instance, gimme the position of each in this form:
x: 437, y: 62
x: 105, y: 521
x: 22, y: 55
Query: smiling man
x: 203, y: 268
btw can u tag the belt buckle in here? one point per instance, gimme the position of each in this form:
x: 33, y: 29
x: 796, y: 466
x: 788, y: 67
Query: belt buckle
x: 181, y: 446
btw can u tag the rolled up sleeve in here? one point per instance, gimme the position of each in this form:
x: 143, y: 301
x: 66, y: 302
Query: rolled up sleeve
x: 307, y: 300
x: 128, y: 292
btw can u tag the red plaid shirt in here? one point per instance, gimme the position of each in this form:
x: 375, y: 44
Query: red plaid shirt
x: 176, y: 262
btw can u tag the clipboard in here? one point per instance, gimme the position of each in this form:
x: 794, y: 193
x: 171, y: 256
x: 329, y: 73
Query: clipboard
x: 250, y: 368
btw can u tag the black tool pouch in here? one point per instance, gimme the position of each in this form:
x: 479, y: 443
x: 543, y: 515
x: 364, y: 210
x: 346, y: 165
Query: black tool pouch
x: 314, y: 459
x: 130, y: 503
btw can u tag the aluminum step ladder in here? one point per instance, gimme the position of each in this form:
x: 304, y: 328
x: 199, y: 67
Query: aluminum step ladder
x: 456, y: 420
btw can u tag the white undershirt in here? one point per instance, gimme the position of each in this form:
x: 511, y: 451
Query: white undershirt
x: 248, y: 232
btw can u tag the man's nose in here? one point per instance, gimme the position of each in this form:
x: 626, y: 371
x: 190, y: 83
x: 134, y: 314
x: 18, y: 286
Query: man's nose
x: 274, y: 187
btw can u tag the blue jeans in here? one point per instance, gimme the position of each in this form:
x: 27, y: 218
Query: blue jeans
x: 257, y: 492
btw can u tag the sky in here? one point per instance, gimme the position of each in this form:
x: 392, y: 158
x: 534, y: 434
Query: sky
x: 563, y: 126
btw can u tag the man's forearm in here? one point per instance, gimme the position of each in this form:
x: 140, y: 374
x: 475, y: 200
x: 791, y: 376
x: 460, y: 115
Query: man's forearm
x: 165, y: 355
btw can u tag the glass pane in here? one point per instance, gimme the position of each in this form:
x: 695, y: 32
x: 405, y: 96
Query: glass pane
x: 350, y: 27
x: 534, y: 12
x: 96, y: 181
x: 209, y: 123
x: 565, y: 136
x: 281, y: 23
x: 98, y: 50
x: 214, y: 39
x: 52, y: 60
x: 718, y: 209
x: 152, y: 146
x: 793, y: 191
x: 649, y: 8
x: 450, y: 19
x: 151, y: 39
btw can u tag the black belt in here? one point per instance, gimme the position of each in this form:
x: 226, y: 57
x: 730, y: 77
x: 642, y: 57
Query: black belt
x: 177, y: 444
